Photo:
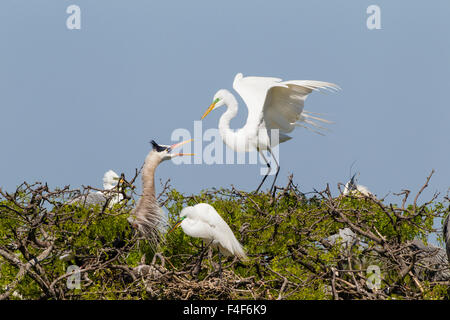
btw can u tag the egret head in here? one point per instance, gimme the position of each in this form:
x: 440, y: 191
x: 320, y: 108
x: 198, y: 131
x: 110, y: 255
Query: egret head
x: 110, y: 180
x: 185, y: 213
x: 164, y: 152
x: 176, y: 225
x: 218, y: 101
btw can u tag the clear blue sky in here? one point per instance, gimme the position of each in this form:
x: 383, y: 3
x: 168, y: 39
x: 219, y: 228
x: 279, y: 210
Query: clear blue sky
x: 75, y: 103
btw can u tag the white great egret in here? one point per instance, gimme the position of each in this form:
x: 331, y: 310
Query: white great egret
x: 203, y: 221
x: 147, y: 216
x: 272, y: 104
x: 352, y: 187
x: 110, y: 181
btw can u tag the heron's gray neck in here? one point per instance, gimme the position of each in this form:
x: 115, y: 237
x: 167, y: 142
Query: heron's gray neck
x: 148, y: 177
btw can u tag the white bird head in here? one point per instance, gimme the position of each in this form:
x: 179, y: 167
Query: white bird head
x: 185, y: 213
x: 162, y: 152
x: 110, y: 180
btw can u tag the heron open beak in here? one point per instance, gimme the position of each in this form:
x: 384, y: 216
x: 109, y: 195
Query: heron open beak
x: 177, y: 224
x: 179, y: 144
x: 211, y: 108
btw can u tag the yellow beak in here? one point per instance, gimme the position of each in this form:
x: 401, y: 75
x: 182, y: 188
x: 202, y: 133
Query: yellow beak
x: 176, y: 145
x: 211, y: 107
x: 175, y: 226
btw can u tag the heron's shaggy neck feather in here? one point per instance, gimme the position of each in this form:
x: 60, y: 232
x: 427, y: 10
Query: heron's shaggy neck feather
x: 148, y: 217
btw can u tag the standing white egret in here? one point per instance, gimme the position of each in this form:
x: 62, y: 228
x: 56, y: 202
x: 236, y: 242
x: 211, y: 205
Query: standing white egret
x: 147, y: 216
x: 272, y: 104
x: 203, y: 221
x: 111, y: 181
x: 352, y: 188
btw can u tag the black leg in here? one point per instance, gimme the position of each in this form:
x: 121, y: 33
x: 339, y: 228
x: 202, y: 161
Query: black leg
x: 264, y: 179
x: 275, y: 179
x: 278, y: 170
x: 198, y: 266
x: 268, y: 171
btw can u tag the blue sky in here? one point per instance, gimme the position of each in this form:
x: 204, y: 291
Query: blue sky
x: 75, y: 103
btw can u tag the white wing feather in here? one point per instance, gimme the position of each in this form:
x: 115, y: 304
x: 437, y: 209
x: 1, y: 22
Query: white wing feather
x: 197, y: 229
x: 283, y: 107
x: 203, y: 221
x: 253, y: 91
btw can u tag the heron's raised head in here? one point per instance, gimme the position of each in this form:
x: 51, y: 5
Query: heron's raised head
x: 110, y: 180
x: 164, y: 152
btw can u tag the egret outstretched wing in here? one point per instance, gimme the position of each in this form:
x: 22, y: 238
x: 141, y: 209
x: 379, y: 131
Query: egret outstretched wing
x: 276, y: 104
x: 283, y: 106
x: 253, y: 91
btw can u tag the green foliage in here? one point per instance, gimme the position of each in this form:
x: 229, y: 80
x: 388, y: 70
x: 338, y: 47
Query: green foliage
x: 285, y: 238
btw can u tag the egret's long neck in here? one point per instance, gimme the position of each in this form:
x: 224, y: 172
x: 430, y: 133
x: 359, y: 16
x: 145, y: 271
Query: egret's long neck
x: 228, y: 135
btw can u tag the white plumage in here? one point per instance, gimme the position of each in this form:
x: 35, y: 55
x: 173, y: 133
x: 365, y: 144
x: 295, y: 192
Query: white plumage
x: 110, y: 181
x: 359, y: 188
x: 272, y: 104
x: 203, y: 221
x: 346, y: 236
x: 276, y: 104
x: 352, y: 187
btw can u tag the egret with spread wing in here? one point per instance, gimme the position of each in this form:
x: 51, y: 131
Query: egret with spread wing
x: 203, y: 221
x: 272, y: 104
x: 147, y: 216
